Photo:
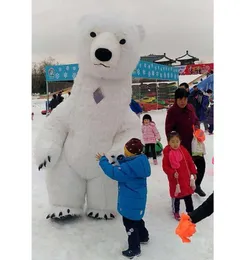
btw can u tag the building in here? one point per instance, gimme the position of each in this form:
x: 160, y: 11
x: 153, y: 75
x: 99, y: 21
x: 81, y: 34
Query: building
x: 151, y: 57
x: 165, y: 61
x: 187, y: 59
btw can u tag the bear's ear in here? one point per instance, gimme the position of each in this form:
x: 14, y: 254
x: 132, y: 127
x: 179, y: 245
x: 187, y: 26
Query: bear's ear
x: 141, y: 32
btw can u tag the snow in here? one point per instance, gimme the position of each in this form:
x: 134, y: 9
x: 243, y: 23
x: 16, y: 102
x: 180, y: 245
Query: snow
x: 86, y: 239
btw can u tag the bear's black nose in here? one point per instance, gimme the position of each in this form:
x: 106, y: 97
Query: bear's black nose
x: 103, y: 54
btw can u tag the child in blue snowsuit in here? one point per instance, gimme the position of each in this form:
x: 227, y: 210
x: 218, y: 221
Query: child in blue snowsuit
x: 131, y: 173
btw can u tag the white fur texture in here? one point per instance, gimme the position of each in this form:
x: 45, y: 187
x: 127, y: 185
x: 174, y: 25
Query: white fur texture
x: 79, y: 128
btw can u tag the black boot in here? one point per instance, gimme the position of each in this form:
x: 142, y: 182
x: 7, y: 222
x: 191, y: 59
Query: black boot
x: 200, y: 192
x: 131, y: 253
x: 144, y: 241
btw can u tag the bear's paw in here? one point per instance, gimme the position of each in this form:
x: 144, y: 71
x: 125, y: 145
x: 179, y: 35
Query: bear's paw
x: 64, y: 213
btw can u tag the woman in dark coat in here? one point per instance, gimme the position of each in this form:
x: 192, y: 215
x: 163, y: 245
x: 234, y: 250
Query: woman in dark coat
x: 181, y: 117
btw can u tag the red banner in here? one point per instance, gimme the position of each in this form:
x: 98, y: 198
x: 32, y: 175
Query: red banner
x: 194, y: 69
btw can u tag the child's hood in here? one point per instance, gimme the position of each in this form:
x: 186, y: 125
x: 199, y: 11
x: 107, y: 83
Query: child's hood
x: 139, y: 165
x: 166, y: 150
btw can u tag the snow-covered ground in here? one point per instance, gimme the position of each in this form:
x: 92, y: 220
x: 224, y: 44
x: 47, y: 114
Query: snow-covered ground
x: 87, y: 239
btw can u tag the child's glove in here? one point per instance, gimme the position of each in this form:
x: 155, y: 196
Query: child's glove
x: 177, y: 190
x: 192, y: 182
x: 185, y: 228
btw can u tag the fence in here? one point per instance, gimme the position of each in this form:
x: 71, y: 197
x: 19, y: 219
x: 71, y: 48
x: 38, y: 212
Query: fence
x: 154, y: 95
x: 150, y: 95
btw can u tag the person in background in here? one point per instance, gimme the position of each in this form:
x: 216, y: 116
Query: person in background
x: 136, y: 108
x: 185, y: 86
x: 195, y: 98
x: 60, y: 98
x: 150, y: 136
x: 210, y: 118
x: 131, y: 174
x: 69, y: 93
x: 32, y: 116
x: 198, y: 153
x: 203, y: 110
x: 53, y: 103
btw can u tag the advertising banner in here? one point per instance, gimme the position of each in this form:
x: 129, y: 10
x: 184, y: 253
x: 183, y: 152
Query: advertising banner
x: 194, y: 69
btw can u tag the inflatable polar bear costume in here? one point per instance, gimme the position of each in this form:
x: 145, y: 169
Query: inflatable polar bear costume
x: 95, y: 118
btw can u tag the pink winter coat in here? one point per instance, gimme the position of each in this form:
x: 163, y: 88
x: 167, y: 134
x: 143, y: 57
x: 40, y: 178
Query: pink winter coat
x: 150, y: 133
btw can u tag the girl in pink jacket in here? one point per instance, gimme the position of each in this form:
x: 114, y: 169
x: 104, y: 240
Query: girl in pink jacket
x: 150, y: 136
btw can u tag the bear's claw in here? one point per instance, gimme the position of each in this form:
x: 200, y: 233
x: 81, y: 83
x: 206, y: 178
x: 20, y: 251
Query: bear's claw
x: 90, y: 214
x: 44, y: 164
x: 100, y: 215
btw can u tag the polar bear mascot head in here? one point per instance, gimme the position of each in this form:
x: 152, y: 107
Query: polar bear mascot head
x: 108, y: 46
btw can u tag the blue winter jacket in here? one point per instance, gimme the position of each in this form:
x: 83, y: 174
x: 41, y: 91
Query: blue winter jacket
x: 204, y: 108
x: 131, y: 174
x: 135, y: 107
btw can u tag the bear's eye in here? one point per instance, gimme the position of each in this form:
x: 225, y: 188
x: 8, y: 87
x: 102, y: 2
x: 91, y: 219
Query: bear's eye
x: 123, y: 41
x: 93, y: 34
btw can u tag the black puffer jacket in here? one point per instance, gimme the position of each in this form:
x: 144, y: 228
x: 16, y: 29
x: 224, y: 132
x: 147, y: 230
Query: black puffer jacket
x: 53, y: 103
x: 204, y: 210
x: 60, y: 98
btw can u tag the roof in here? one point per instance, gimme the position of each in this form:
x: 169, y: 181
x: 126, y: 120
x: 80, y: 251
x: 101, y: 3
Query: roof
x: 151, y: 57
x: 165, y: 58
x: 187, y: 56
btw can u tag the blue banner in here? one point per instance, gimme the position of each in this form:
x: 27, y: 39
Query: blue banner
x: 151, y: 70
x: 144, y: 69
x: 207, y: 83
x: 61, y: 72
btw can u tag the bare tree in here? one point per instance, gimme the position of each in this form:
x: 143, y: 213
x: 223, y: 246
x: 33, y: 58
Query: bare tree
x: 38, y: 75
